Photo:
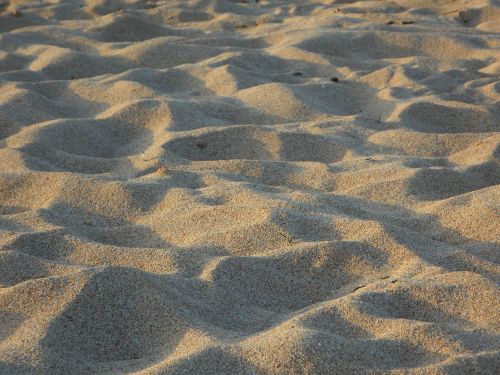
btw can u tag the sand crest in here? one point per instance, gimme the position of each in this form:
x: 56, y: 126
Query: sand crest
x: 249, y: 187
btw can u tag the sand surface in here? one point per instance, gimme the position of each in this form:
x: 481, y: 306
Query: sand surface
x: 249, y: 187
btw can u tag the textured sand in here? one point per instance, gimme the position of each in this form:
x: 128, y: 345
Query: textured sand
x: 242, y: 187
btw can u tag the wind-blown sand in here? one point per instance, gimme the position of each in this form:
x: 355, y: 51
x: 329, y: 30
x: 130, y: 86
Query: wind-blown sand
x: 242, y: 187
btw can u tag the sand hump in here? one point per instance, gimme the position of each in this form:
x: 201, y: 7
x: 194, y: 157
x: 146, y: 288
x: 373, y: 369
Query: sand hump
x: 266, y: 187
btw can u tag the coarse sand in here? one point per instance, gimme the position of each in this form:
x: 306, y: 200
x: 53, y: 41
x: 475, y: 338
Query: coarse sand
x: 249, y: 187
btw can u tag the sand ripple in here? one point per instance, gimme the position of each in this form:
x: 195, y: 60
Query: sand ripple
x: 249, y: 187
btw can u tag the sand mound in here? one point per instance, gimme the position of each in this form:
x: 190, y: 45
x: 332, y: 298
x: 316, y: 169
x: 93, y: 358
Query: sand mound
x: 249, y: 187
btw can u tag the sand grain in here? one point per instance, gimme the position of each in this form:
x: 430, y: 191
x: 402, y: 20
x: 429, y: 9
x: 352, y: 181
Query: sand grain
x: 249, y: 187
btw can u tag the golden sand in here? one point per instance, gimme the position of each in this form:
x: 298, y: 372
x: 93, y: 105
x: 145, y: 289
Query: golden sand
x: 249, y: 187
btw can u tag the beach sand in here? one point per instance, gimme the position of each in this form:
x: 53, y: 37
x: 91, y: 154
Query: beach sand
x: 249, y: 187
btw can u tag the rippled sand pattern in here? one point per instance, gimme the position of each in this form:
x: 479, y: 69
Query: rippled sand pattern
x: 249, y: 187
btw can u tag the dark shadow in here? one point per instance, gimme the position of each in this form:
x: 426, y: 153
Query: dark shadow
x: 120, y: 314
x: 325, y: 351
x: 98, y: 228
x: 9, y: 323
x: 299, y: 276
x: 310, y: 147
x: 400, y: 305
x: 442, y: 183
x: 51, y: 244
x: 423, y: 162
x: 422, y: 234
x: 428, y: 117
x: 17, y: 267
x: 242, y: 142
x: 10, y: 368
x: 146, y: 194
x: 215, y: 360
x: 273, y: 176
x: 10, y: 225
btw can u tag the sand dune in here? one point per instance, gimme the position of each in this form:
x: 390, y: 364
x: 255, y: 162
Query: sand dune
x: 249, y: 187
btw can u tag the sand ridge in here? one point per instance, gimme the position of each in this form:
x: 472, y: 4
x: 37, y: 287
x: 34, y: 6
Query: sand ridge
x: 249, y: 187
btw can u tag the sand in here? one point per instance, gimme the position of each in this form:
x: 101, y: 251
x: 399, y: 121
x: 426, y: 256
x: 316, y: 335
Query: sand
x: 249, y: 187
